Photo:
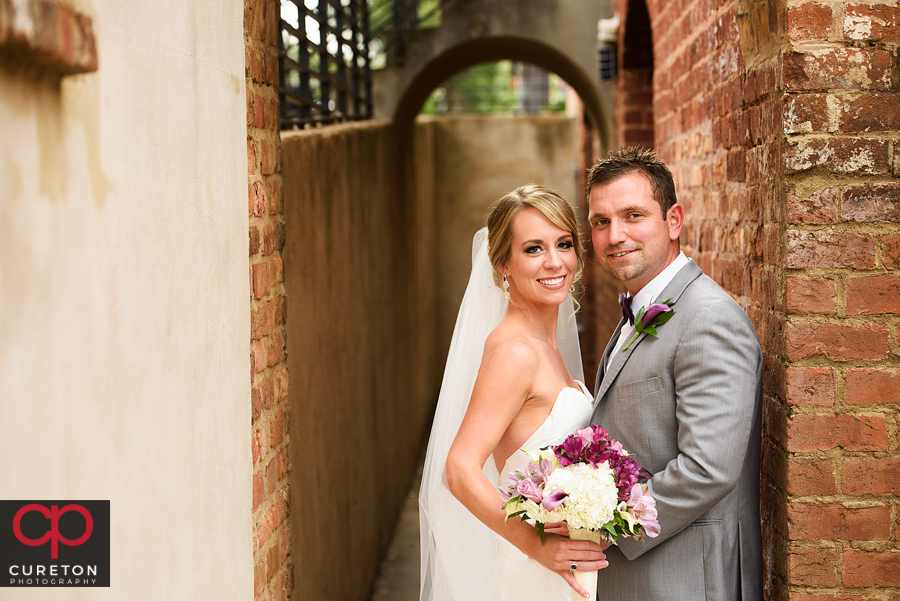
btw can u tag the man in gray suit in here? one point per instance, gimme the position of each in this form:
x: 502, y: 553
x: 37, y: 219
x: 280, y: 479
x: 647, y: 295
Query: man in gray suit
x: 686, y: 404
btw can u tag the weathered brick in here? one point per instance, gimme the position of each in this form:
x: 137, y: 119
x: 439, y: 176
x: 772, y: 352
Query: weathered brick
x: 736, y: 166
x: 259, y: 490
x: 277, y: 269
x: 798, y: 596
x: 836, y: 341
x: 262, y: 320
x: 829, y: 250
x: 839, y: 155
x: 284, y: 461
x: 274, y: 186
x: 890, y: 251
x: 275, y: 351
x: 259, y: 357
x: 283, y: 380
x: 273, y: 560
x: 267, y: 160
x: 810, y: 386
x: 257, y: 199
x: 867, y: 475
x: 261, y: 278
x: 805, y: 113
x: 280, y: 235
x: 809, y: 22
x: 251, y: 157
x: 810, y: 295
x: 875, y: 111
x: 868, y: 22
x: 276, y: 428
x: 255, y: 401
x: 872, y: 202
x: 254, y: 240
x: 873, y: 294
x: 867, y: 386
x: 823, y: 432
x: 810, y: 476
x: 271, y: 521
x: 259, y: 578
x: 871, y: 568
x: 820, y: 207
x: 267, y: 390
x: 832, y: 521
x: 841, y: 68
x: 268, y: 239
x: 809, y: 566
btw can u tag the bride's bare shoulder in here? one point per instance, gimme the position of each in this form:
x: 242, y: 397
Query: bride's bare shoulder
x: 509, y: 346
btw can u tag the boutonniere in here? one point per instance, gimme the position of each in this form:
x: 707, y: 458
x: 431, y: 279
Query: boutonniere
x: 648, y: 318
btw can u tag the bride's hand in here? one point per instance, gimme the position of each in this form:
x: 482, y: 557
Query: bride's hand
x: 559, y: 552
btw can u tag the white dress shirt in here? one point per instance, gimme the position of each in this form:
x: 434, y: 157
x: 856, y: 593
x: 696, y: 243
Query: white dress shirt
x: 646, y: 296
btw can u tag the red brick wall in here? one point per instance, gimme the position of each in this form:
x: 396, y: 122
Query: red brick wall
x: 841, y: 299
x: 634, y: 86
x: 272, y: 568
x: 780, y: 122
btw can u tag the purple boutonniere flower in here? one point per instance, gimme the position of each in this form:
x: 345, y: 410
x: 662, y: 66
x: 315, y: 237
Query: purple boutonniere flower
x: 648, y: 318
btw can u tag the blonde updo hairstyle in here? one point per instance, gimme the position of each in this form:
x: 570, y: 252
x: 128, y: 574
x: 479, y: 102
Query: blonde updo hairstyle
x: 549, y: 203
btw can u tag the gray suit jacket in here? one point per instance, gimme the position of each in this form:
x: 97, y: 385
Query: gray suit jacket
x: 688, y: 405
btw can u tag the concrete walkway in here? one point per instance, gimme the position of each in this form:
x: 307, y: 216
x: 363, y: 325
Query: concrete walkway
x: 398, y: 575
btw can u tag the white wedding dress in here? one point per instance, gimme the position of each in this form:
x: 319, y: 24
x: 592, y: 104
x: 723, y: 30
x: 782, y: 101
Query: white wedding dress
x: 462, y: 559
x: 517, y: 576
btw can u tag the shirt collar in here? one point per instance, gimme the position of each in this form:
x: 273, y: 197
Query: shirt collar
x: 654, y: 287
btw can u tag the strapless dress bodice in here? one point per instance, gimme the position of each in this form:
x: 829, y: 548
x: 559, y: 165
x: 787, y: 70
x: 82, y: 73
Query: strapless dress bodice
x: 515, y: 576
x: 571, y: 411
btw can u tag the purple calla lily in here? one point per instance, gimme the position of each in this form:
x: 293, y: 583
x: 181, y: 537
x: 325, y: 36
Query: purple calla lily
x: 652, y: 311
x: 554, y: 499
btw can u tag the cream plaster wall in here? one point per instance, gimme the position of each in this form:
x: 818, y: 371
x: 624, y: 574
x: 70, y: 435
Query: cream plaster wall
x: 124, y: 295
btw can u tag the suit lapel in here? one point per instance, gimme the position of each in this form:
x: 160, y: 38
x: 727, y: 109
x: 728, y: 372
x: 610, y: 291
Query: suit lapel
x: 673, y: 290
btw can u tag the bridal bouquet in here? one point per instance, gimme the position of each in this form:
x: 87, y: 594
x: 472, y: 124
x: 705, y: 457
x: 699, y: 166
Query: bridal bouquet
x: 589, y: 482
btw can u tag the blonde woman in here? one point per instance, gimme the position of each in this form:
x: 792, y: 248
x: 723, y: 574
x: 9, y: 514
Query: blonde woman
x: 511, y: 382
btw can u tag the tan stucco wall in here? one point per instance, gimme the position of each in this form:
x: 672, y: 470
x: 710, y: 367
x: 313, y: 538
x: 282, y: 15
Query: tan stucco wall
x: 360, y: 326
x: 124, y: 322
x: 478, y: 159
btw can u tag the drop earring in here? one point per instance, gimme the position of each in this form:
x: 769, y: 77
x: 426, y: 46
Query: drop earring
x: 572, y: 289
x: 505, y: 288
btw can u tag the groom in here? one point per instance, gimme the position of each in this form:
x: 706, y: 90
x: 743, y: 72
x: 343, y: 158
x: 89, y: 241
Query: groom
x: 686, y: 404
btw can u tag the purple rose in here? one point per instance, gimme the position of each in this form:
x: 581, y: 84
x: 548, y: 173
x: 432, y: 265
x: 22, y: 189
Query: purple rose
x: 530, y: 489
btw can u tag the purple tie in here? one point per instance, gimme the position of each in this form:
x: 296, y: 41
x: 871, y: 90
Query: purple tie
x: 625, y: 302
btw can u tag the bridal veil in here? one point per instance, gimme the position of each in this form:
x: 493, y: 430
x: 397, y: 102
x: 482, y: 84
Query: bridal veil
x: 457, y: 549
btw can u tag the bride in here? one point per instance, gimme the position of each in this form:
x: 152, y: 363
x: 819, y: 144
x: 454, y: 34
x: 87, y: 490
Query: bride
x: 508, y: 385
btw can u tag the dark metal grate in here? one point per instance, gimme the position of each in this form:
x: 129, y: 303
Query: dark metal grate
x: 323, y: 62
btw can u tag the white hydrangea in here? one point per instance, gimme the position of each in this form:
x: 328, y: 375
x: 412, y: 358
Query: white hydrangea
x: 593, y: 495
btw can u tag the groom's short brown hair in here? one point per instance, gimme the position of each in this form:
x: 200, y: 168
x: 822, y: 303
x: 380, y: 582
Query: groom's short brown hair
x: 634, y: 159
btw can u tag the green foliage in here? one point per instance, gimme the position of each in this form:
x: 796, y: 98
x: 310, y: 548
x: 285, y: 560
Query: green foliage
x: 489, y: 88
x: 483, y: 89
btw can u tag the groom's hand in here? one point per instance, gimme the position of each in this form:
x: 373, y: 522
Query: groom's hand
x: 558, y: 553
